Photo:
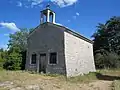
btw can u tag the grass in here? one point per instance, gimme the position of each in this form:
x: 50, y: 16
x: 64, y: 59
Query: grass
x: 22, y: 79
x: 111, y: 72
x: 3, y: 88
x: 116, y: 85
x: 19, y: 75
x: 22, y: 75
x: 84, y: 78
x: 110, y: 75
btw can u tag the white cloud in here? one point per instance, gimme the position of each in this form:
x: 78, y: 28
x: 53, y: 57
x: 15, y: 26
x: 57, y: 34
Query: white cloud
x: 64, y: 3
x: 35, y: 2
x: 61, y: 3
x: 68, y: 20
x: 77, y: 13
x: 6, y: 34
x: 74, y: 17
x: 4, y: 46
x: 10, y: 26
x: 26, y: 6
x: 19, y: 4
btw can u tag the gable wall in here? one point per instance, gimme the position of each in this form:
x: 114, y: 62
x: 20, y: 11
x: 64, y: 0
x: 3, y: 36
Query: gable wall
x: 78, y: 55
x: 47, y: 39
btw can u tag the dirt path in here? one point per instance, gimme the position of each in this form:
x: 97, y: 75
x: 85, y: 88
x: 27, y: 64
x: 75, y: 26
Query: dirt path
x: 26, y: 81
x: 98, y: 85
x: 47, y: 85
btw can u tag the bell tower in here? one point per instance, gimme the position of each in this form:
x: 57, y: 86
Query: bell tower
x: 47, y: 15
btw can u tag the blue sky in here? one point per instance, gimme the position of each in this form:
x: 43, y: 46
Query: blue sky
x: 79, y: 15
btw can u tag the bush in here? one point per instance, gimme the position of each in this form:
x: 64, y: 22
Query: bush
x: 114, y: 60
x: 2, y: 57
x: 14, y: 61
x: 107, y: 60
x: 1, y: 63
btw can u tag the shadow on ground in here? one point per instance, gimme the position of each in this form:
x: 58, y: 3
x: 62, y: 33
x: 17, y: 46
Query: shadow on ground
x: 107, y: 77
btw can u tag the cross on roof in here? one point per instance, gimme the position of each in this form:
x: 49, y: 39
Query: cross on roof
x: 48, y: 6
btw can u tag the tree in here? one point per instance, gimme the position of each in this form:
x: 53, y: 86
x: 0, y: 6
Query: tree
x: 19, y: 39
x: 107, y: 39
x: 17, y: 50
x: 14, y: 59
x: 3, y: 57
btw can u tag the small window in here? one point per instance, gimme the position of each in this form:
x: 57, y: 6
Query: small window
x: 53, y: 58
x: 33, y: 59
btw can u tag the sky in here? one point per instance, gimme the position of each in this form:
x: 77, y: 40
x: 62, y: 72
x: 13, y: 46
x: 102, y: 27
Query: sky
x: 81, y: 16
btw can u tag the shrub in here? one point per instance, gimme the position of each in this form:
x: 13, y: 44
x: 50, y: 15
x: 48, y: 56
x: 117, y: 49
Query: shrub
x: 14, y: 61
x: 107, y: 59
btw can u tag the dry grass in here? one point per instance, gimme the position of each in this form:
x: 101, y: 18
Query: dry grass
x: 84, y: 78
x: 110, y: 72
x: 116, y: 85
x: 25, y: 79
x: 58, y: 82
x: 1, y: 88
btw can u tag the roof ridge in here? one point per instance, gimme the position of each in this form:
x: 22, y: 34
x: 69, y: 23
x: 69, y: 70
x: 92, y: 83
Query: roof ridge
x: 73, y: 32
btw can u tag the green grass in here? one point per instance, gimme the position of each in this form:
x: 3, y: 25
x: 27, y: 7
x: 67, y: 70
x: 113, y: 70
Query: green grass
x: 116, y: 85
x: 84, y: 78
x: 115, y: 72
x: 23, y: 78
x: 3, y: 88
x: 20, y: 75
x: 12, y: 75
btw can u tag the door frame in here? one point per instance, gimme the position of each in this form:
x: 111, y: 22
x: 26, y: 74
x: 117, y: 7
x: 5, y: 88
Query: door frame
x: 45, y: 63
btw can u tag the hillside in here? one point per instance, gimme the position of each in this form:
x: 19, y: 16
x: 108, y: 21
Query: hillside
x: 21, y: 80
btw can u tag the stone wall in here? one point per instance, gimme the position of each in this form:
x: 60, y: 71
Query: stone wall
x: 78, y: 55
x: 75, y: 56
x: 46, y: 39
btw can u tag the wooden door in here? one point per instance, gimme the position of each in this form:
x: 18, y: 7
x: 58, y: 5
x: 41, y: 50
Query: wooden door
x: 42, y: 63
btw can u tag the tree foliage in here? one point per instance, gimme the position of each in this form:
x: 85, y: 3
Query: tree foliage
x: 19, y: 39
x: 3, y: 57
x: 14, y: 59
x: 107, y: 44
x: 17, y: 50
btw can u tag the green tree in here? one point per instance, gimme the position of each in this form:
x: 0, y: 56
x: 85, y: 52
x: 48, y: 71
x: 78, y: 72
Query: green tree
x: 3, y: 57
x: 17, y: 50
x: 14, y: 59
x: 107, y: 43
x: 19, y: 39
